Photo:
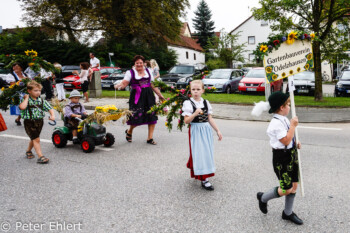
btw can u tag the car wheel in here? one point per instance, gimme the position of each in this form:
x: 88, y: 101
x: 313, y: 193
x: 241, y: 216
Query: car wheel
x: 109, y: 140
x: 228, y: 90
x: 87, y: 144
x: 59, y: 139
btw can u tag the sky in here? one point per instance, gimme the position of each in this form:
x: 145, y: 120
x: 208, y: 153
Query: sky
x: 226, y: 14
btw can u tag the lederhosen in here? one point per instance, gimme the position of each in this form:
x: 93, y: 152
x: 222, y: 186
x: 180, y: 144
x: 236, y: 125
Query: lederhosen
x: 32, y: 126
x: 200, y: 118
x: 72, y: 121
x: 285, y: 164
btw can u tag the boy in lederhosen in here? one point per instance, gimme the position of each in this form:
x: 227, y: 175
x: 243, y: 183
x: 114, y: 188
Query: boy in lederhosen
x: 74, y: 110
x: 285, y: 157
x: 33, y: 108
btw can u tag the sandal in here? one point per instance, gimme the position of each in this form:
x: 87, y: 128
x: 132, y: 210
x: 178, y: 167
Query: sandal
x: 128, y: 136
x: 151, y: 142
x: 43, y: 160
x: 18, y: 122
x: 29, y: 155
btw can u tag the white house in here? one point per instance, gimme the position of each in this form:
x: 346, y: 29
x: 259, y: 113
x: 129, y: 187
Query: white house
x: 187, y: 49
x: 251, y: 33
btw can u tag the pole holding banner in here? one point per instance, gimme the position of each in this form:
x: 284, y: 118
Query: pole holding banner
x: 292, y: 105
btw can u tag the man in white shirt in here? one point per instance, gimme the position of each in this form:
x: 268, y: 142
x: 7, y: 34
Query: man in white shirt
x: 94, y: 62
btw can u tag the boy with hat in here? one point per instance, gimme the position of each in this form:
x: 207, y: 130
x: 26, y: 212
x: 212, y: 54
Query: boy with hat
x: 285, y: 157
x: 74, y: 110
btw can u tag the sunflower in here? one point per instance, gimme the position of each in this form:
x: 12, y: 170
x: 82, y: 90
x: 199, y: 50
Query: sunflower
x: 298, y: 69
x: 31, y: 53
x: 166, y: 123
x: 309, y: 56
x: 3, y: 88
x: 291, y: 37
x: 291, y: 72
x: 31, y: 64
x: 263, y: 48
x: 274, y: 77
x: 283, y: 74
x: 307, y: 66
x: 312, y: 35
x: 11, y: 86
x: 268, y: 69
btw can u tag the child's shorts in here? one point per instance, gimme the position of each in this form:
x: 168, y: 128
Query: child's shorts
x: 33, y: 127
x: 74, y: 123
x: 285, y: 165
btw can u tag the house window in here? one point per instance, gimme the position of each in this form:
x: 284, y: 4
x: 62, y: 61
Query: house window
x: 251, y: 39
x: 251, y: 57
x: 194, y: 56
x: 186, y: 55
x: 264, y: 23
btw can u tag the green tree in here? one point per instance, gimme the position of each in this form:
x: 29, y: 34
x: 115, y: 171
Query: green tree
x: 150, y: 20
x: 203, y: 24
x: 226, y: 48
x: 318, y: 16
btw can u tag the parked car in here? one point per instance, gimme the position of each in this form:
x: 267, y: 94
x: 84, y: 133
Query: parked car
x: 3, y: 71
x: 254, y: 82
x: 179, y: 76
x: 108, y: 83
x: 342, y: 88
x: 67, y: 70
x: 107, y: 71
x: 224, y: 80
x: 304, y: 83
x: 246, y: 69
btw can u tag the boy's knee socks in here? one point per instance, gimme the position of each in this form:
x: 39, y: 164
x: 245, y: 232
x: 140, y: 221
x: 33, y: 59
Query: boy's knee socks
x: 271, y: 194
x: 288, y: 206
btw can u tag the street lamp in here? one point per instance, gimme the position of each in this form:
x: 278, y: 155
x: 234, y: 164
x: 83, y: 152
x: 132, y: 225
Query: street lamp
x: 110, y: 60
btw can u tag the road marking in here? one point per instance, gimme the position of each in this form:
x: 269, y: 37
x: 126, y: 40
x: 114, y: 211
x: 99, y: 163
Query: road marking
x: 49, y: 141
x: 309, y: 127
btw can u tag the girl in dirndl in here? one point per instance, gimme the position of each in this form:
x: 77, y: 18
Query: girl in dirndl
x: 198, y: 113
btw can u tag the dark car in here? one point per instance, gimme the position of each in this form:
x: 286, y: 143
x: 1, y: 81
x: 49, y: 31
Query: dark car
x: 108, y: 83
x: 224, y: 80
x: 67, y: 70
x: 3, y: 71
x: 342, y: 88
x: 304, y: 83
x: 179, y: 76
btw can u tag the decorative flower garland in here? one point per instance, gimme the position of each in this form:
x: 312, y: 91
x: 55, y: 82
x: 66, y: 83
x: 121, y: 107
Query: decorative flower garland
x: 172, y: 107
x: 274, y: 42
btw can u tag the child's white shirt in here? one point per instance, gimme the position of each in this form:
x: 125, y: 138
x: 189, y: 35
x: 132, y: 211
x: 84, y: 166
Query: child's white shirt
x: 187, y: 108
x: 277, y: 130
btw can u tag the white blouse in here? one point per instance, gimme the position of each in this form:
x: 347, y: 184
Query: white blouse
x: 10, y: 78
x: 277, y: 130
x: 127, y: 76
x: 187, y: 108
x: 83, y: 76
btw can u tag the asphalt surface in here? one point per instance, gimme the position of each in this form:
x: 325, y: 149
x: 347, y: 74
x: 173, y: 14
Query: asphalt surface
x: 136, y: 187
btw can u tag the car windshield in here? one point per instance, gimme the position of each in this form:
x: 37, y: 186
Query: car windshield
x: 220, y: 74
x: 310, y: 76
x: 182, y: 70
x: 70, y: 68
x: 256, y: 73
x: 345, y: 75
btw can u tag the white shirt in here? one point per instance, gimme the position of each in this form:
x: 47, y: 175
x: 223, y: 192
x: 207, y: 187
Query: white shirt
x: 10, y: 78
x: 277, y: 130
x: 94, y: 61
x: 83, y: 75
x: 45, y: 74
x: 127, y: 76
x: 187, y: 108
x: 30, y: 73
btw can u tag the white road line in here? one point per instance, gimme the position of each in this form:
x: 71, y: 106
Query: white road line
x: 309, y: 127
x: 47, y: 141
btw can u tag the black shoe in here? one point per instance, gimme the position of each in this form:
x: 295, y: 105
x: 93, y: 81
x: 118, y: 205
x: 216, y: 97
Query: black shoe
x: 76, y: 141
x: 262, y: 205
x: 208, y: 186
x: 293, y: 218
x: 18, y: 122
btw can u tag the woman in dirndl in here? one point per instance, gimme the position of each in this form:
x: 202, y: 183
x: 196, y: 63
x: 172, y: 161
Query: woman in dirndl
x: 141, y: 98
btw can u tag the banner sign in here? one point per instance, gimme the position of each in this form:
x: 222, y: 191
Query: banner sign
x: 288, y: 59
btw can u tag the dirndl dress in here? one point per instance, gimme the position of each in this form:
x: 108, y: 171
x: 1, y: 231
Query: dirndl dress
x: 141, y: 100
x: 201, y: 160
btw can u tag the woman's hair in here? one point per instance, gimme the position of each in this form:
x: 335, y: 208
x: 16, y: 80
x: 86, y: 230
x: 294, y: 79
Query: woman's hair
x: 148, y: 63
x: 154, y: 64
x: 84, y: 65
x: 197, y: 82
x: 19, y: 64
x: 137, y: 57
x: 33, y: 84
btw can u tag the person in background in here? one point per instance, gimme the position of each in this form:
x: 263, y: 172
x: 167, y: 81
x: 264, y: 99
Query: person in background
x: 61, y: 95
x: 84, y: 66
x: 94, y: 65
x: 155, y: 69
x: 47, y: 78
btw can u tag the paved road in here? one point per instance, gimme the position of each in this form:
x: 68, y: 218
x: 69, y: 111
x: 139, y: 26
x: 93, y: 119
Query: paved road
x: 137, y: 187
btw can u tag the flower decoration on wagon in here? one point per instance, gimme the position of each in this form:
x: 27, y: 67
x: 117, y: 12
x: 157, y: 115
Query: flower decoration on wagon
x: 172, y: 106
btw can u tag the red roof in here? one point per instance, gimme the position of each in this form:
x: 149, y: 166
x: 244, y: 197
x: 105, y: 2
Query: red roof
x: 185, y: 41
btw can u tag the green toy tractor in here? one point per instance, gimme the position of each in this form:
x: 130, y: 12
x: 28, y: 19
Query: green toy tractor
x: 92, y: 135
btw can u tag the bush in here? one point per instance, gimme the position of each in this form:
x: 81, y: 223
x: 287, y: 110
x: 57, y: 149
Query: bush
x: 215, y: 64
